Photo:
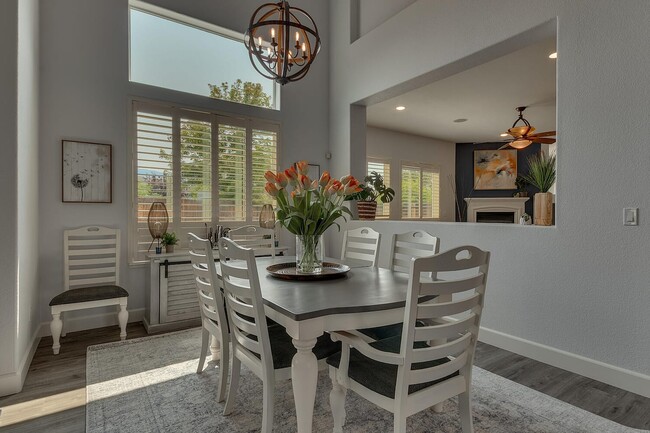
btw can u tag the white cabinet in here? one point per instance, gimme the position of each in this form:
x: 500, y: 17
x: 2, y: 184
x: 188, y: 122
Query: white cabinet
x: 172, y: 301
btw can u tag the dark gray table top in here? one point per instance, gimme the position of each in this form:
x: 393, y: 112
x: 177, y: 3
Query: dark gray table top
x: 363, y: 289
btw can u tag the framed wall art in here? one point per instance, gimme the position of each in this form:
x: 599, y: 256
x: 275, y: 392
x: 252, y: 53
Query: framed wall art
x: 495, y: 169
x: 87, y: 172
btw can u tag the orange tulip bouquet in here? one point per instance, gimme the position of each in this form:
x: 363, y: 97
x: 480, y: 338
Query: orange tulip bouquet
x: 308, y: 207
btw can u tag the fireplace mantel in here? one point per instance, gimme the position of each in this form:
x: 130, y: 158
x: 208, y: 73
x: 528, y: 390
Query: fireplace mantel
x: 516, y: 205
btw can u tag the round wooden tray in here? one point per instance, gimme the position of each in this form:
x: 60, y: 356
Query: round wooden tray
x: 288, y: 271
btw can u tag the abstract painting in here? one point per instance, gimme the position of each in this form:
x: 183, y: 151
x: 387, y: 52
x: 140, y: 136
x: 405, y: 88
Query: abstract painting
x: 87, y: 170
x: 495, y: 169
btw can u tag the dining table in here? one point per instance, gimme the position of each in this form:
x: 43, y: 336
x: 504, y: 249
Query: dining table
x: 364, y: 297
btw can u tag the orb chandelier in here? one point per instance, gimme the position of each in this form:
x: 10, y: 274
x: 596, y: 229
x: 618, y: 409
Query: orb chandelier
x: 282, y: 41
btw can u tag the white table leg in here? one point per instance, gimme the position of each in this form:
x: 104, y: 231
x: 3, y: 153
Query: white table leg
x: 304, y: 375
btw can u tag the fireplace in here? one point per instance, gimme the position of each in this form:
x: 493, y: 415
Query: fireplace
x: 506, y: 210
x: 495, y: 217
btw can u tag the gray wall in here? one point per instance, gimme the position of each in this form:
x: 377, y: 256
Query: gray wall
x: 85, y: 95
x: 582, y: 286
x: 399, y: 147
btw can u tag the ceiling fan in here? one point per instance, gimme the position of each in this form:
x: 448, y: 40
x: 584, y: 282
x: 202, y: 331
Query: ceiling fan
x: 523, y: 136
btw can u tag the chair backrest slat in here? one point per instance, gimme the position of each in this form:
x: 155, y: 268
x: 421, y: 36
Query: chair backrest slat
x: 426, y: 311
x: 438, y: 372
x: 440, y: 338
x: 446, y: 330
x: 449, y: 287
x: 261, y: 240
x: 245, y: 305
x: 91, y: 256
x: 211, y: 301
x: 453, y: 348
x: 361, y: 246
x: 409, y: 245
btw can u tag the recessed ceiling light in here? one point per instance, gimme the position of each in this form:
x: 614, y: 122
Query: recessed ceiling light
x: 400, y: 108
x: 552, y: 56
x: 460, y: 120
x: 503, y: 135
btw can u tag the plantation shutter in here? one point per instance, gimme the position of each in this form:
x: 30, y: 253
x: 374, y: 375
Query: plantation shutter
x: 410, y: 192
x: 196, y: 171
x: 232, y: 173
x: 383, y: 168
x: 264, y: 157
x: 154, y: 170
x: 206, y: 168
x: 430, y: 193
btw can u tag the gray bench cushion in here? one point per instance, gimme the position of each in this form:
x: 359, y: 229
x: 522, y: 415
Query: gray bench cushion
x: 382, y: 378
x: 86, y: 294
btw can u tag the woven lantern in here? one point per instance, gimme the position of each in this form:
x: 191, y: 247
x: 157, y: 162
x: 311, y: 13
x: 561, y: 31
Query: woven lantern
x: 267, y: 217
x: 157, y: 220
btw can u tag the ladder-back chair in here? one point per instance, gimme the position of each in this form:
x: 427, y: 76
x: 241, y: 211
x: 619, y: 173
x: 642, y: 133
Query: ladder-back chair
x: 405, y: 374
x: 211, y: 304
x: 361, y: 247
x: 91, y: 277
x: 266, y: 350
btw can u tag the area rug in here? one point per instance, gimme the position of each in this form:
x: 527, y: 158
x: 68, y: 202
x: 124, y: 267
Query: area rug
x: 151, y: 385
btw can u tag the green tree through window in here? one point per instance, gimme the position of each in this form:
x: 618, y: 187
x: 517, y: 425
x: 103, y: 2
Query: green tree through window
x: 243, y: 92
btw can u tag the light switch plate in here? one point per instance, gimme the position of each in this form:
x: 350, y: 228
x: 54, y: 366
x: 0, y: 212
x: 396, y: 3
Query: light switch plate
x: 631, y: 216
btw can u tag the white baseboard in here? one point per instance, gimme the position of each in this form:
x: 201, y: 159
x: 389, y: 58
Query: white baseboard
x: 100, y: 320
x: 628, y: 380
x: 12, y: 383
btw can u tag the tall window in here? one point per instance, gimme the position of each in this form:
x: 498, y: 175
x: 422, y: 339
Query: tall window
x: 420, y: 191
x: 205, y: 167
x: 177, y: 52
x: 383, y: 168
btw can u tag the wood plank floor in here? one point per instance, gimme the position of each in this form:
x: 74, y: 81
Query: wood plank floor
x: 53, y: 398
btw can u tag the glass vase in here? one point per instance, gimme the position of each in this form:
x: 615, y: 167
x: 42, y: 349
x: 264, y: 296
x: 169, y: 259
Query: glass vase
x: 309, y: 254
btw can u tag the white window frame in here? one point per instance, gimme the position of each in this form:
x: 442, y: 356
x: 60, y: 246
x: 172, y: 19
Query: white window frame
x: 216, y: 118
x: 179, y: 18
x: 422, y: 167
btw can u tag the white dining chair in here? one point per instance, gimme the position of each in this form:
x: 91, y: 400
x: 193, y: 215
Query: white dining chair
x: 266, y: 350
x: 260, y: 239
x: 212, y: 306
x: 91, y: 257
x: 405, y: 374
x: 361, y: 247
x: 404, y: 247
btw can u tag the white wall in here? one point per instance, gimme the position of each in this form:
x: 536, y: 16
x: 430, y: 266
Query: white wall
x: 8, y: 179
x: 85, y: 95
x: 582, y: 286
x: 399, y: 147
x: 28, y: 177
x: 19, y: 193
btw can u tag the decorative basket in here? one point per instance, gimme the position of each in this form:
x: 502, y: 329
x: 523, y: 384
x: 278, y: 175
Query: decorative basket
x: 367, y: 210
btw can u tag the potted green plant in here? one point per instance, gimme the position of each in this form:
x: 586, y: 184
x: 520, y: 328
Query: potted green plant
x: 168, y: 241
x: 372, y: 190
x: 542, y: 175
x: 521, y: 183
